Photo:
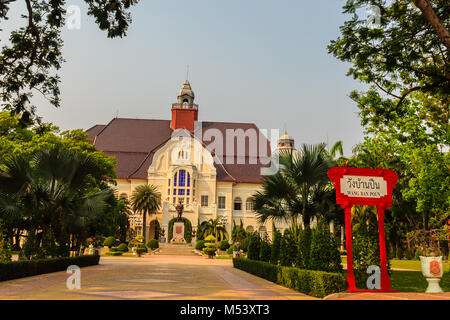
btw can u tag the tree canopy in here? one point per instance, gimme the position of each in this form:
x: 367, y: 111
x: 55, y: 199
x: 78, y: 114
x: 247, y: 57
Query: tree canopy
x: 30, y: 61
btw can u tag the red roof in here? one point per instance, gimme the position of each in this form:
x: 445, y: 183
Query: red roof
x: 134, y: 142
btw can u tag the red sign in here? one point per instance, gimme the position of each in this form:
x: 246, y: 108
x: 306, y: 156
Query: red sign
x: 361, y: 186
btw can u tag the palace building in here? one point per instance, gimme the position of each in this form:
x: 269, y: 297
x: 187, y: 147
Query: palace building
x: 213, y: 168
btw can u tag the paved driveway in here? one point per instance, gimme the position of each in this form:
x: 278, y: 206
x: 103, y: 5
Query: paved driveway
x: 152, y: 277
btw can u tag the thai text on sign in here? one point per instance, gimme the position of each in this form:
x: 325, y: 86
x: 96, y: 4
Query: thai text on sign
x: 363, y: 186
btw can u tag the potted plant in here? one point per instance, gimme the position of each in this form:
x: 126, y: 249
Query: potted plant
x: 431, y: 261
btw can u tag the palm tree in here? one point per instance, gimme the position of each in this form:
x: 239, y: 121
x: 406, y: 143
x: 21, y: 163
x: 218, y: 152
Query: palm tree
x: 213, y: 227
x: 147, y: 200
x: 52, y: 190
x: 297, y: 189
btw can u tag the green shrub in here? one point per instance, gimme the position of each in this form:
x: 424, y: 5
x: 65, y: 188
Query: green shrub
x: 122, y: 247
x: 276, y: 243
x: 230, y: 250
x: 303, y: 259
x: 418, y: 254
x: 140, y: 249
x: 244, y: 243
x: 28, y: 268
x: 289, y: 249
x: 314, y: 283
x: 210, y: 251
x: 5, y: 250
x: 265, y: 249
x: 200, y: 244
x: 409, y: 254
x: 224, y: 245
x: 324, y: 254
x: 254, y: 247
x: 399, y: 253
x: 109, y: 242
x: 113, y: 253
x: 153, y: 244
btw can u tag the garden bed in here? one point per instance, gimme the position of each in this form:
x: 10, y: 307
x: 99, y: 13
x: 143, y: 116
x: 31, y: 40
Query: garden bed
x: 28, y: 268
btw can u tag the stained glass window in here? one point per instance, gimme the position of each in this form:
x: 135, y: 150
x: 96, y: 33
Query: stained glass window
x: 175, y: 180
x: 182, y: 181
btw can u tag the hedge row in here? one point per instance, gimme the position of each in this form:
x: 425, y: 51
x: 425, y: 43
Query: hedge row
x: 313, y: 283
x: 28, y: 268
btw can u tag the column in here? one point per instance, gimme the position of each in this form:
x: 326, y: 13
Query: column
x: 385, y: 285
x: 348, y: 235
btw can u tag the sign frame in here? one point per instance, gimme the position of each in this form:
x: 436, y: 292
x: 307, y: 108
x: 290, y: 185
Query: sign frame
x: 382, y: 203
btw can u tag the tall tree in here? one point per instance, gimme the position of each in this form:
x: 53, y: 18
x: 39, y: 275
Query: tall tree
x: 52, y: 191
x: 147, y: 200
x: 288, y: 194
x: 407, y: 52
x: 30, y: 61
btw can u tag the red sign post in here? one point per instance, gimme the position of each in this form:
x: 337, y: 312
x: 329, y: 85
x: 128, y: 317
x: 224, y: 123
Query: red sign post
x: 360, y: 186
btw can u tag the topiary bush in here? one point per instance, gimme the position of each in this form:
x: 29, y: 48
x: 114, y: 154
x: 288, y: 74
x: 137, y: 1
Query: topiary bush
x: 265, y: 250
x: 210, y: 246
x: 325, y: 254
x: 303, y: 259
x: 109, y: 242
x: 153, y: 244
x: 200, y: 244
x: 254, y: 247
x: 122, y: 247
x: 276, y: 246
x: 224, y: 245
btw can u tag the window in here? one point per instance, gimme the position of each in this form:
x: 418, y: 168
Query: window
x: 237, y: 204
x: 181, y: 189
x: 249, y: 229
x: 221, y: 202
x: 204, y: 201
x: 262, y: 231
x: 123, y: 196
x: 249, y: 205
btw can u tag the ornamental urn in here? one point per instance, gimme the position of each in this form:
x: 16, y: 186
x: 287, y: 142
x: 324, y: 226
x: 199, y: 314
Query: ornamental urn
x: 433, y: 271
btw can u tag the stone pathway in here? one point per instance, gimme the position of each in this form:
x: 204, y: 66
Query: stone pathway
x: 152, y: 277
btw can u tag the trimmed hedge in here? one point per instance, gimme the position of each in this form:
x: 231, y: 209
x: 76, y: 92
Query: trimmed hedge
x: 114, y: 253
x: 28, y: 268
x: 313, y: 283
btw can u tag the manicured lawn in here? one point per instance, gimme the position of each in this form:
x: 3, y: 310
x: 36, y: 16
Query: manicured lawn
x: 407, y: 264
x: 412, y: 281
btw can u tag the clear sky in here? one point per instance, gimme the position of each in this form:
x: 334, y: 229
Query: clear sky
x: 256, y: 61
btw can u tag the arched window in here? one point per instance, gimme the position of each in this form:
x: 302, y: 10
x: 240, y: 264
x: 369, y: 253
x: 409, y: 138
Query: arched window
x: 181, y: 187
x: 123, y: 196
x: 250, y: 229
x: 237, y: 204
x: 249, y: 205
x: 262, y: 231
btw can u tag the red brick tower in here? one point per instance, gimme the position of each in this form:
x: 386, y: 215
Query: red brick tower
x: 184, y: 112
